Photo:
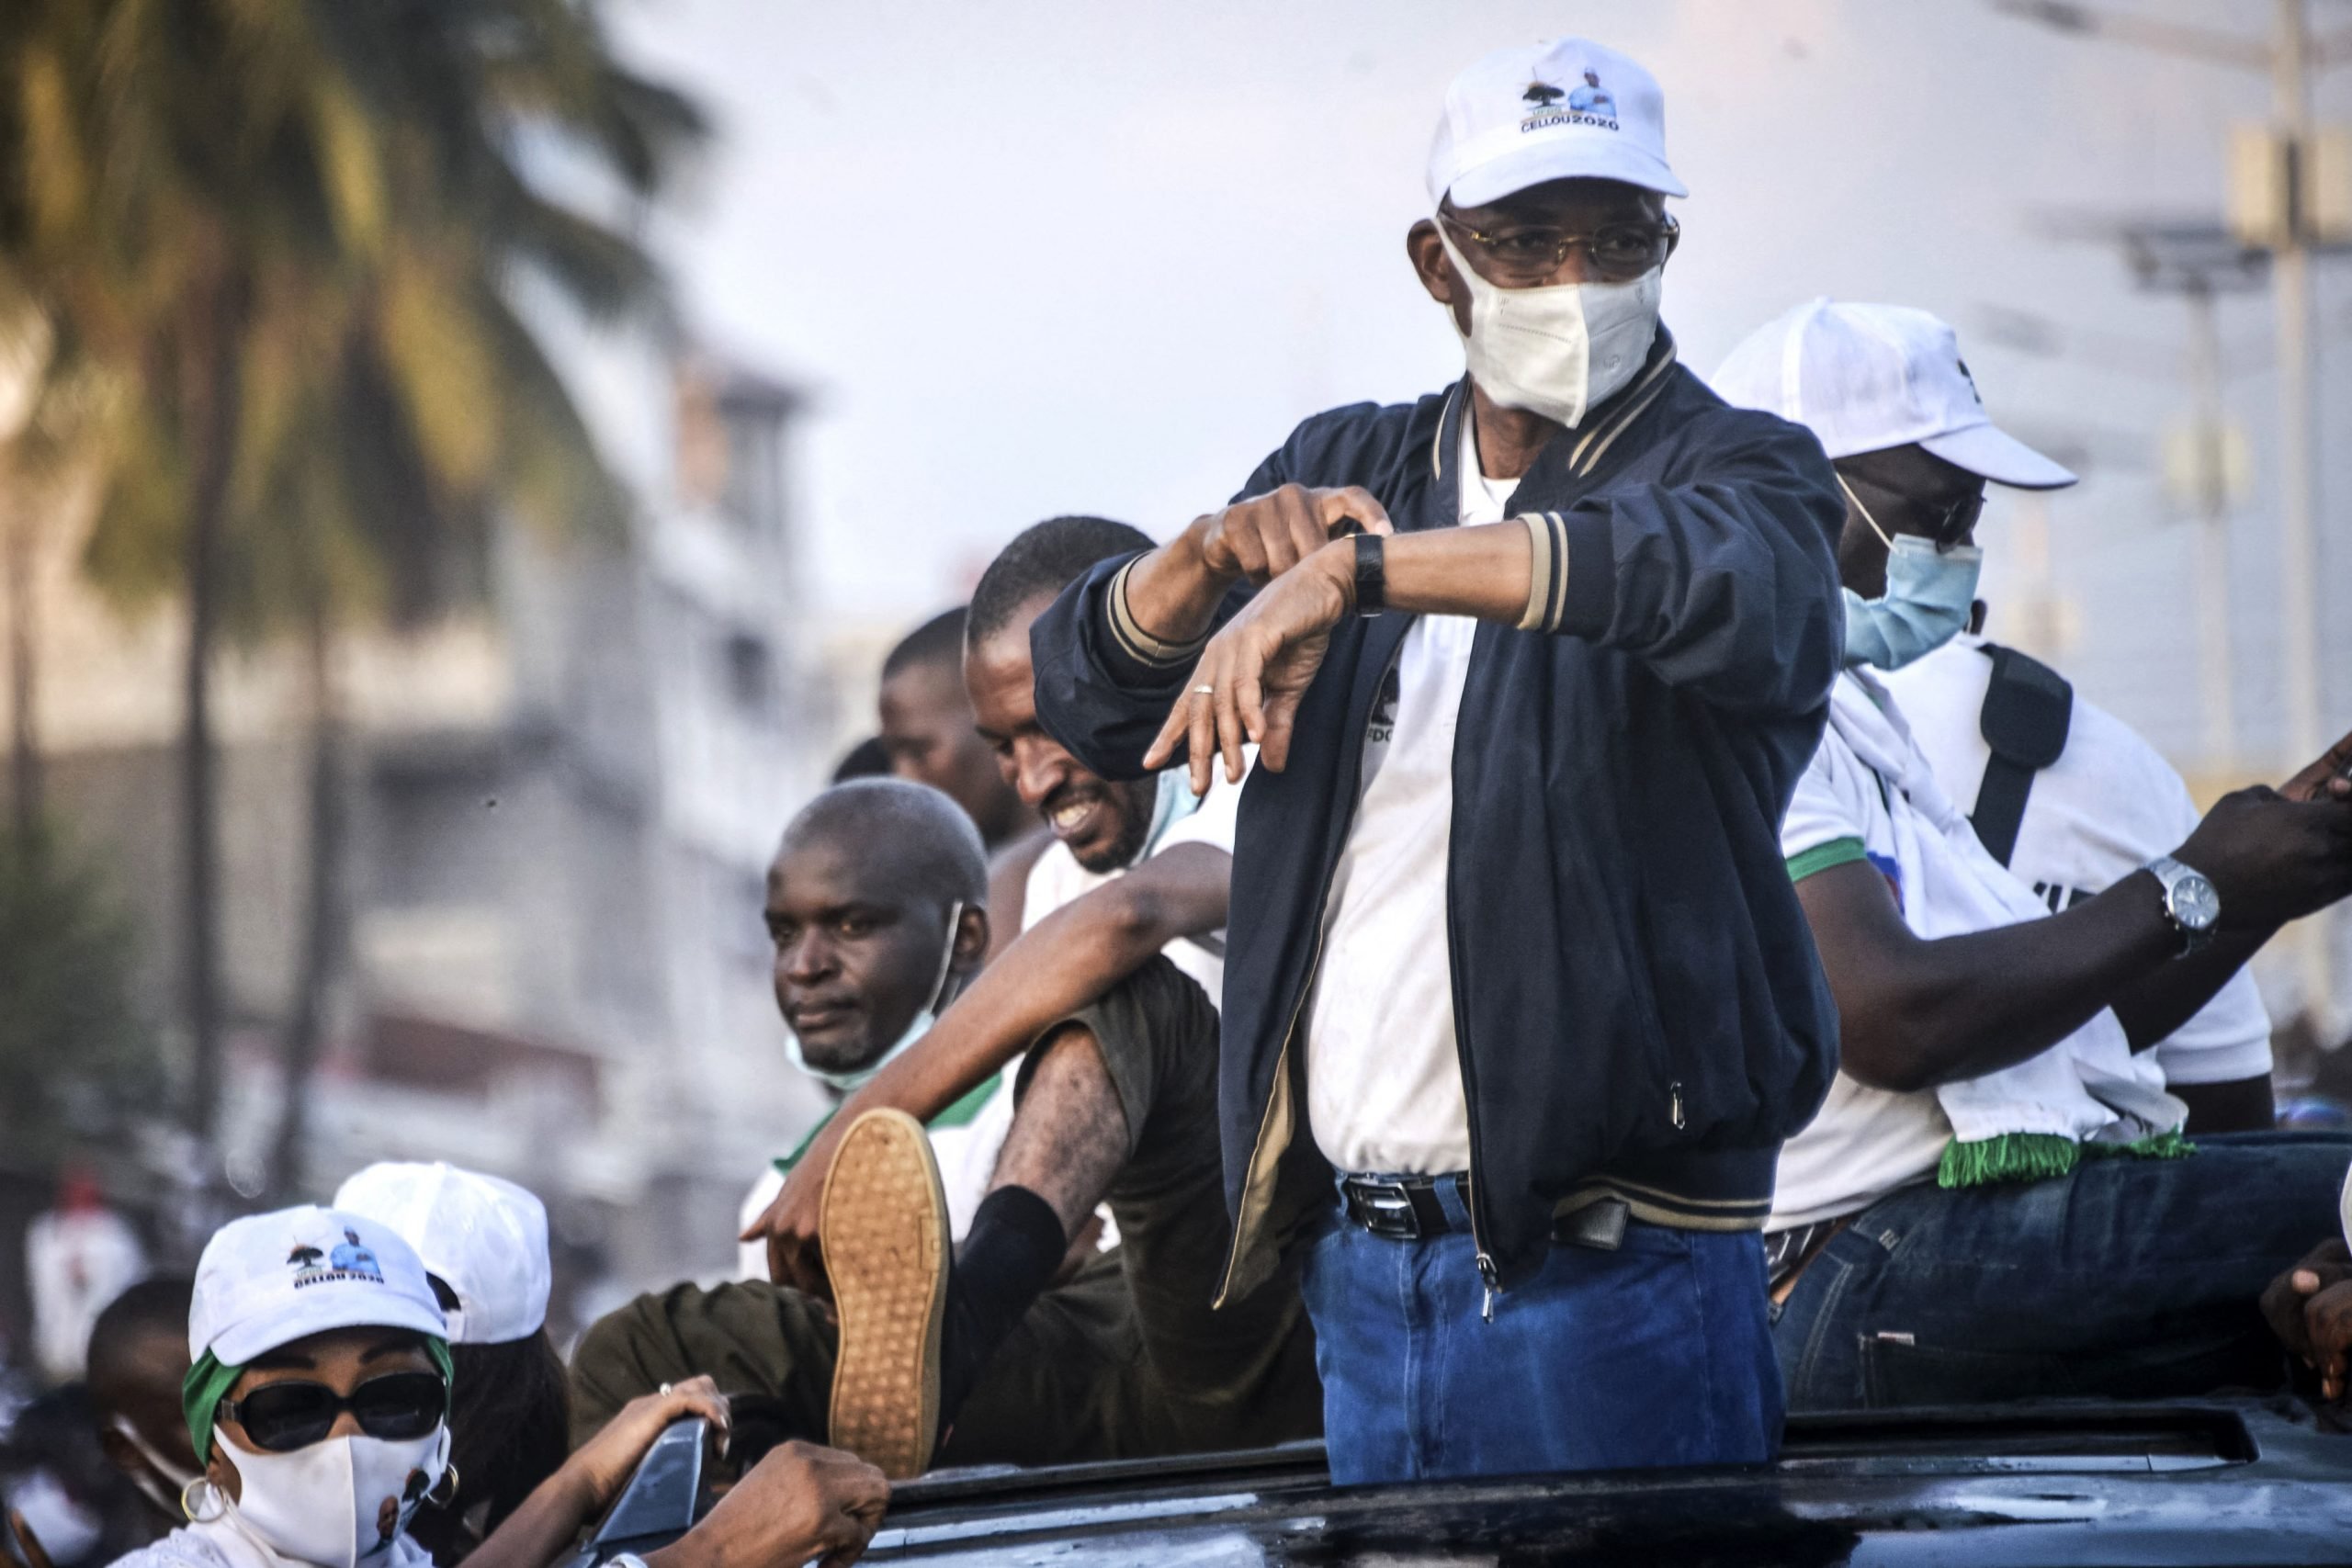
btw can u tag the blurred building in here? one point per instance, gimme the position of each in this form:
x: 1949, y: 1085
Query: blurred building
x: 560, y: 808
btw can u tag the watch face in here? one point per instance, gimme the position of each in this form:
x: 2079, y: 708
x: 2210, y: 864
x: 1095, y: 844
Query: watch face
x: 2195, y: 904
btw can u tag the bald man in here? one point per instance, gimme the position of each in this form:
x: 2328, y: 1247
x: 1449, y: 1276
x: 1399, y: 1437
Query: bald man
x: 876, y: 907
x: 877, y: 904
x: 876, y: 883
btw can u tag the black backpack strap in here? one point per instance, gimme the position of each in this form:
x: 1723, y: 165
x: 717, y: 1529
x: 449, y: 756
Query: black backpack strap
x: 2028, y: 707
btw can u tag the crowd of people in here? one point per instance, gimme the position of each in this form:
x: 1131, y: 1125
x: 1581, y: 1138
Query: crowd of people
x: 1539, y: 937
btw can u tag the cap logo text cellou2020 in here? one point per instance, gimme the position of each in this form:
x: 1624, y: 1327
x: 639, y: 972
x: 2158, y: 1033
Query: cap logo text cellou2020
x: 1588, y: 103
x: 349, y: 1260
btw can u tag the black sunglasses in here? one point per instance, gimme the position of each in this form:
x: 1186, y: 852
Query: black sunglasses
x: 282, y: 1416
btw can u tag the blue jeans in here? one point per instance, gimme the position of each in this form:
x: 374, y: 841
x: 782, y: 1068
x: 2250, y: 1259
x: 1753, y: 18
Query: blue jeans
x: 1657, y: 1353
x: 2128, y: 1279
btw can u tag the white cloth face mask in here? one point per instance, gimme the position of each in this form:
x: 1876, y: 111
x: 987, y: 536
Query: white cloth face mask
x: 1559, y: 349
x: 855, y: 1078
x: 323, y: 1505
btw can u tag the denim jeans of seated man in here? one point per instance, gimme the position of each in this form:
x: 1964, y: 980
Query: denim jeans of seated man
x: 2127, y: 1279
x: 1657, y: 1353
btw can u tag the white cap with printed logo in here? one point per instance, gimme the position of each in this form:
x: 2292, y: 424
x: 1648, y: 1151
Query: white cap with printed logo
x: 1865, y: 378
x: 484, y: 1237
x: 269, y: 1279
x: 1566, y: 108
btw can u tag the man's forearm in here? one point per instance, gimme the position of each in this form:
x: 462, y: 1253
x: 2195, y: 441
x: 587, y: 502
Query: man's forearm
x: 2152, y: 1008
x: 1919, y: 1013
x: 1173, y: 595
x: 1050, y: 971
x: 1481, y: 572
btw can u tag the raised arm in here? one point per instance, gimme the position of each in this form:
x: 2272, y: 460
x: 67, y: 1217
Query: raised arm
x: 1915, y: 1013
x: 1054, y: 968
x: 1726, y: 587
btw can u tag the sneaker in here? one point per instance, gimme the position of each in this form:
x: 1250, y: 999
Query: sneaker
x: 884, y: 1225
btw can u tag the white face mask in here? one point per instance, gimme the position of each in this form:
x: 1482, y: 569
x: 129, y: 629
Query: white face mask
x: 1557, y: 350
x: 324, y: 1504
x: 165, y: 1472
x: 855, y: 1078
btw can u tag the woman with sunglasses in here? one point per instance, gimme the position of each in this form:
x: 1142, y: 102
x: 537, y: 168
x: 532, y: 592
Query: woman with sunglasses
x: 318, y: 1405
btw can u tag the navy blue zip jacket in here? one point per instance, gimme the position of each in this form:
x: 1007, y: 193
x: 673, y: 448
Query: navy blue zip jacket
x: 1639, y: 1008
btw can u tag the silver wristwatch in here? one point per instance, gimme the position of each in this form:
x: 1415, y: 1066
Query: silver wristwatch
x: 2191, y: 903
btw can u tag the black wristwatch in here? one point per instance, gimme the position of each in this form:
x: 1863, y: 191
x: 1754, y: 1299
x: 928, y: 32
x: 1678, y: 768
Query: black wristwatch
x: 1372, y: 575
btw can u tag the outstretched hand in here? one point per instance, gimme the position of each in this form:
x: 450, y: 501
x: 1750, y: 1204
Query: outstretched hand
x: 2328, y: 778
x: 789, y: 1224
x: 603, y: 1464
x: 1254, y: 672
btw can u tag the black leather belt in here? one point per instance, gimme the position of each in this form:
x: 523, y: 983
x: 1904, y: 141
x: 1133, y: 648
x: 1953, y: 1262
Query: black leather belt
x: 1407, y: 1209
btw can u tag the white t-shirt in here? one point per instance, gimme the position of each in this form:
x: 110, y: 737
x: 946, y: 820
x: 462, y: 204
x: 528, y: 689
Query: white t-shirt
x: 1384, y: 1074
x: 1865, y: 1141
x: 1870, y: 794
x: 967, y: 1153
x: 2106, y: 808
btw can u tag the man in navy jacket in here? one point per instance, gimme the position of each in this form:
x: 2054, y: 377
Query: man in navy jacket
x: 1513, y: 955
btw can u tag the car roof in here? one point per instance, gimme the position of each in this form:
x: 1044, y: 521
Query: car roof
x: 2204, y: 1483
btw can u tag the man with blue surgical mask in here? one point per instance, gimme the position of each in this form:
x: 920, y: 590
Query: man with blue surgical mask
x: 1997, y: 1201
x: 1518, y: 1002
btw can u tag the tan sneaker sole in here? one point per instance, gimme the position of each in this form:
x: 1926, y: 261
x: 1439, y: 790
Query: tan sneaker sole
x: 884, y: 1225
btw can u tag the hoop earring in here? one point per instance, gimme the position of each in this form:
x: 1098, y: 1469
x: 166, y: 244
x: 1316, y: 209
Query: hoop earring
x: 449, y: 1474
x: 189, y: 1509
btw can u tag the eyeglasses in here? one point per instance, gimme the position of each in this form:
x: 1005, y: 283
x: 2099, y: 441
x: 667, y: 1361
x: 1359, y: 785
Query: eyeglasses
x: 1533, y: 252
x: 282, y: 1416
x: 1946, y: 525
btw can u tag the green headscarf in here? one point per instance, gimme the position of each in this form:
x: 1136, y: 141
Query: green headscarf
x: 208, y: 1383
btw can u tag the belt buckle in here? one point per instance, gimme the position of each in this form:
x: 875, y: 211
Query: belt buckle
x: 1384, y: 1209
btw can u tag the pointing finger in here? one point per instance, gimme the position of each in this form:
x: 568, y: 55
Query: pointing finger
x: 1171, y: 730
x: 1202, y: 734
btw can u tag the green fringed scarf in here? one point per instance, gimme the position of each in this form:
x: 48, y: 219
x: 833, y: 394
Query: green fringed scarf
x: 2038, y: 1156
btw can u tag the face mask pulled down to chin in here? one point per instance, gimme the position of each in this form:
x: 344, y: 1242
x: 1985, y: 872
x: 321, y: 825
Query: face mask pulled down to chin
x: 330, y: 1505
x: 850, y: 1080
x: 1560, y: 349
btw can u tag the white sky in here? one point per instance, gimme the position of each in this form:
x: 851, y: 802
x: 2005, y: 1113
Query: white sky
x: 1036, y: 257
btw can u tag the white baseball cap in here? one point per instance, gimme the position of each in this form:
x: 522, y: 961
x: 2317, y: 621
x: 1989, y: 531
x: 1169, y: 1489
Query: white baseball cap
x: 1864, y: 377
x: 481, y: 1236
x: 1568, y: 108
x: 269, y: 1279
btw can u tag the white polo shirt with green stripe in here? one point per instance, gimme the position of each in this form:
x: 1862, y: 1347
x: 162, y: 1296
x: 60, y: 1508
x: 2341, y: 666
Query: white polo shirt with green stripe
x: 1865, y: 1141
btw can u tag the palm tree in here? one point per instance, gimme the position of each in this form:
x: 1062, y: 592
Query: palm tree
x: 294, y: 230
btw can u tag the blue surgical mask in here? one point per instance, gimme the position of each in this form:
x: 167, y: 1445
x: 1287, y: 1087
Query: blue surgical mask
x: 1930, y: 593
x: 855, y: 1078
